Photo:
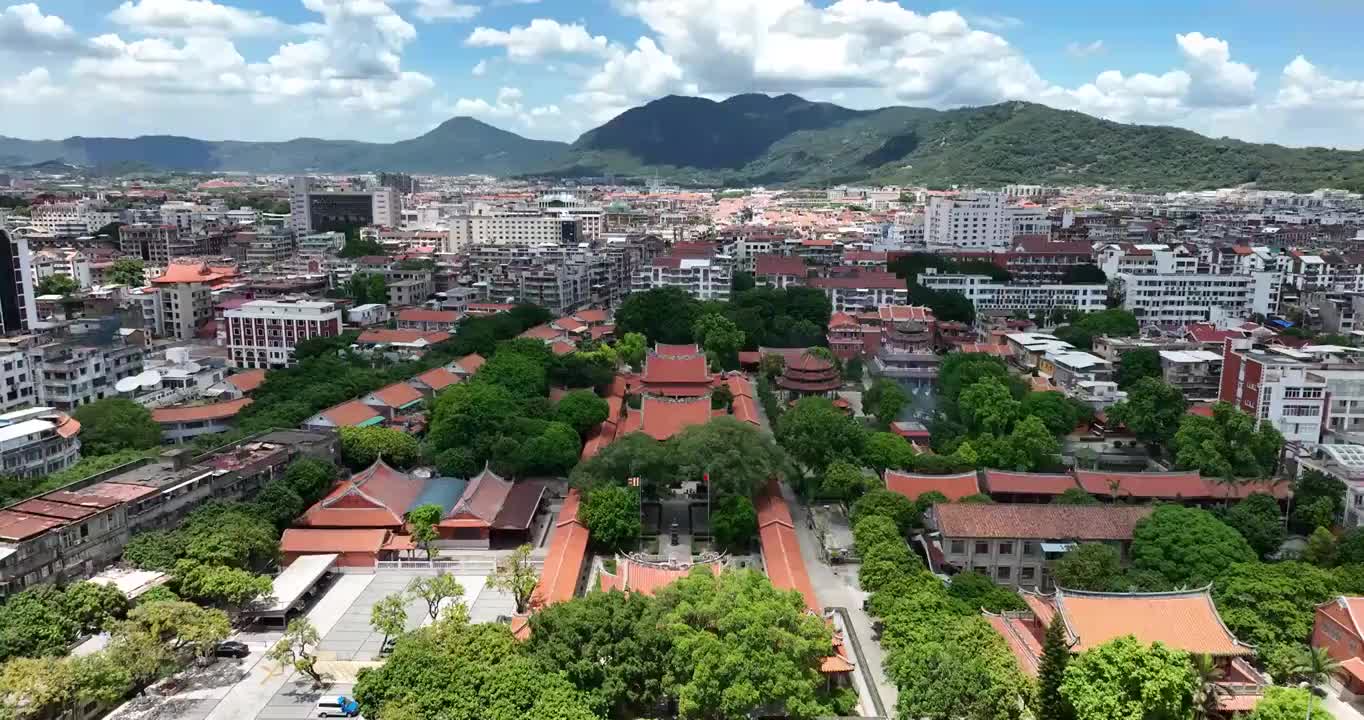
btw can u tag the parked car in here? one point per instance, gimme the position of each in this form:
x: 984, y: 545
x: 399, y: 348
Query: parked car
x: 341, y: 706
x: 232, y: 649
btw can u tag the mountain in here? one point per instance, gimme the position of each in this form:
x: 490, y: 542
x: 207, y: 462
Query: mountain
x: 754, y: 139
x: 458, y: 146
x: 761, y: 140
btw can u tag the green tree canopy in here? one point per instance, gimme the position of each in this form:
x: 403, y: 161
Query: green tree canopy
x: 1187, y: 547
x: 1090, y: 566
x: 884, y: 400
x: 1123, y: 679
x: 720, y: 338
x: 631, y: 348
x: 581, y: 410
x: 882, y: 502
x: 114, y: 424
x: 1114, y: 322
x: 1152, y: 411
x: 128, y: 272
x: 988, y: 407
x: 1075, y: 496
x: 664, y: 315
x: 361, y: 446
x: 1322, y: 495
x: 57, y: 285
x: 734, y: 522
x: 1137, y: 364
x: 1272, y: 603
x: 612, y: 516
x: 738, y: 458
x: 1055, y: 410
x: 1051, y: 672
x: 886, y: 450
x: 1281, y: 703
x: 979, y: 591
x: 844, y: 481
x: 1227, y: 445
x: 1258, y: 520
x: 816, y: 433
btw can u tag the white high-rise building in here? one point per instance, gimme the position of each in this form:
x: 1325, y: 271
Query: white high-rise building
x: 263, y: 333
x: 975, y: 220
x: 312, y: 209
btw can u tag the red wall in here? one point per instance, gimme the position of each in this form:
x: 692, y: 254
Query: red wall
x: 1346, y: 643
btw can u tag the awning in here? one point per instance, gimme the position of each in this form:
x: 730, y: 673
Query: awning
x: 290, y: 585
x: 1057, y: 547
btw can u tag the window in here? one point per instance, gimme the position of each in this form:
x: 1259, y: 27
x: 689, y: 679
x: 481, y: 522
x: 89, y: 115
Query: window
x: 1027, y: 573
x: 1006, y: 548
x: 1029, y: 549
x: 1003, y: 572
x: 982, y: 548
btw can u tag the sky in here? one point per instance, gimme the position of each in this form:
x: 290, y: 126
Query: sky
x: 384, y: 70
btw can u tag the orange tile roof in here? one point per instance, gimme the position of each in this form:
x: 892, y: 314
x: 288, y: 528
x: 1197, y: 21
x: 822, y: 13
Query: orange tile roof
x: 564, y: 559
x: 193, y: 273
x: 349, y: 413
x: 438, y: 378
x: 662, y: 419
x: 1171, y: 485
x: 541, y: 332
x: 592, y: 315
x: 1022, y: 643
x: 68, y: 426
x: 197, y: 413
x: 561, y: 348
x: 668, y: 369
x: 428, y: 316
x: 384, y: 335
x: 912, y: 485
x: 316, y: 541
x: 1042, y: 522
x: 471, y: 363
x: 1000, y: 481
x: 247, y: 380
x: 376, y: 497
x: 397, y: 395
x: 1186, y: 620
x: 631, y: 576
x: 782, y: 559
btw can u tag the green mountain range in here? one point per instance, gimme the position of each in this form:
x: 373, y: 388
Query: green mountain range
x: 782, y: 140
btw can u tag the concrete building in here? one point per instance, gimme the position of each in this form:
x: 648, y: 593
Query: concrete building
x: 185, y: 294
x: 1197, y: 373
x: 1186, y: 298
x: 17, y: 388
x: 861, y: 291
x: 989, y: 294
x: 18, y: 312
x: 160, y: 244
x: 71, y: 263
x: 492, y: 226
x: 702, y: 278
x: 975, y: 220
x: 80, y: 370
x: 263, y: 333
x: 1274, y: 385
x: 38, y: 442
x: 313, y: 209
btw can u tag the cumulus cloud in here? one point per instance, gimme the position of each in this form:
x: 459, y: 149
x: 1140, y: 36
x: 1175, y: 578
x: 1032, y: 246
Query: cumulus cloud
x: 31, y: 88
x: 24, y: 28
x: 506, y: 108
x: 1076, y: 49
x: 193, y: 17
x: 540, y: 39
x: 436, y: 10
x: 1215, y: 80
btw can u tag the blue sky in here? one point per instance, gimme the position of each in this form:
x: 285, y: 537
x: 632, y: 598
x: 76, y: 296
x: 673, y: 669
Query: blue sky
x: 389, y: 69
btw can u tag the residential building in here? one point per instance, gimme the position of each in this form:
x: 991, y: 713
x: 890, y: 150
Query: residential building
x: 428, y: 320
x: 702, y: 278
x: 183, y: 423
x: 1016, y: 544
x: 38, y: 442
x: 18, y: 312
x: 1037, y: 260
x: 491, y: 226
x: 71, y: 263
x: 185, y: 294
x: 1197, y: 373
x: 1274, y: 385
x: 17, y: 388
x: 975, y: 220
x: 1189, y: 297
x: 408, y: 287
x: 1068, y: 368
x: 567, y: 206
x: 313, y: 209
x: 857, y: 290
x: 79, y: 370
x: 779, y: 271
x: 263, y: 333
x: 987, y: 293
x: 322, y: 243
x: 161, y: 244
x: 268, y: 246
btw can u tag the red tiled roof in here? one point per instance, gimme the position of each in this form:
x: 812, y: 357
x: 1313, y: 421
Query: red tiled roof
x: 471, y: 363
x: 397, y: 395
x: 782, y: 560
x: 912, y: 485
x: 675, y: 351
x: 591, y: 316
x: 999, y: 481
x: 247, y: 380
x: 438, y: 378
x: 349, y: 413
x: 541, y: 332
x: 1186, y: 620
x: 745, y: 410
x: 631, y: 576
x: 780, y: 265
x: 1172, y: 485
x: 660, y: 369
x: 867, y: 280
x: 193, y: 273
x: 67, y: 426
x: 1022, y: 643
x: 1042, y: 522
x: 564, y: 559
x: 317, y: 542
x: 198, y: 413
x: 662, y: 419
x: 117, y: 491
x: 61, y: 511
x: 569, y: 324
x: 492, y: 502
x: 561, y: 348
x: 809, y: 362
x: 739, y: 386
x: 428, y: 316
x: 16, y: 526
x: 374, y: 337
x: 903, y: 313
x: 842, y: 319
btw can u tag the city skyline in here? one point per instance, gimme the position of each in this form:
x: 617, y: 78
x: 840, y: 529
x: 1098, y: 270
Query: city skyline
x: 382, y: 70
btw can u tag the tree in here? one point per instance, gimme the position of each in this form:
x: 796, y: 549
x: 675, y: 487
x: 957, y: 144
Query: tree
x: 1281, y: 703
x: 885, y: 399
x: 816, y: 433
x: 887, y: 451
x: 1187, y: 546
x: 1051, y: 671
x: 737, y: 457
x: 610, y: 646
x: 219, y: 585
x: 362, y: 446
x: 988, y: 407
x: 179, y: 626
x: 720, y: 338
x: 129, y: 272
x: 57, y: 285
x: 1272, y: 603
x: 389, y: 616
x: 1228, y: 444
x: 517, y: 576
x: 853, y: 370
x: 1084, y: 274
x: 1152, y: 411
x: 739, y: 644
x: 423, y: 520
x: 36, y: 687
x: 582, y: 410
x: 279, y: 503
x: 612, y: 516
x: 885, y: 503
x: 95, y: 606
x: 663, y: 315
x: 1124, y: 679
x: 632, y: 348
x: 1113, y: 322
x: 843, y: 481
x: 1311, y: 488
x: 721, y: 398
x: 142, y: 658
x: 436, y: 591
x: 297, y: 649
x: 1090, y: 566
x: 1056, y: 411
x: 114, y: 424
x: 1315, y: 665
x: 956, y: 667
x: 1207, y: 690
x: 734, y: 522
x: 979, y: 592
x: 523, y: 375
x: 1136, y: 365
x: 1033, y: 446
x: 1257, y: 519
x: 1075, y: 496
x: 1321, y: 548
x: 35, y: 622
x: 554, y: 452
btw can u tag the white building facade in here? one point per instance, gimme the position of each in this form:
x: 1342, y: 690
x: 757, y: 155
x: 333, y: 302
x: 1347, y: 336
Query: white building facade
x: 976, y: 221
x: 263, y: 333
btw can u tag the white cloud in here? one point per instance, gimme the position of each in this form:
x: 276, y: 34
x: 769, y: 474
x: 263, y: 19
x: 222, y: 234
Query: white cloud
x: 193, y: 17
x: 436, y: 10
x: 1076, y: 49
x: 480, y: 68
x: 31, y: 88
x: 507, y: 108
x: 1304, y: 85
x: 540, y: 39
x: 632, y: 76
x: 1217, y: 81
x: 997, y: 23
x: 24, y: 28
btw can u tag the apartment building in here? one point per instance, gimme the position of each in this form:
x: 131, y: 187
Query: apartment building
x: 313, y: 209
x: 37, y: 442
x: 160, y: 244
x: 74, y: 532
x: 591, y: 218
x: 320, y: 244
x: 18, y: 312
x: 1016, y: 545
x: 1197, y: 373
x: 185, y: 293
x: 1036, y: 260
x: 263, y: 333
x: 79, y: 370
x: 975, y: 220
x: 1190, y: 298
x: 861, y: 291
x: 17, y: 388
x: 69, y: 220
x: 428, y: 320
x: 989, y: 294
x: 267, y: 246
x: 486, y: 225
x: 779, y: 271
x: 1069, y: 368
x: 1275, y: 385
x: 702, y: 278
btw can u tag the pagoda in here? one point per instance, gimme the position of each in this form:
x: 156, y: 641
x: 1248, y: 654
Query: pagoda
x: 810, y: 374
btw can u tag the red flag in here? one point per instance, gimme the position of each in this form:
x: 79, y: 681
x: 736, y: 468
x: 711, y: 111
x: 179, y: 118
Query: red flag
x: 705, y: 478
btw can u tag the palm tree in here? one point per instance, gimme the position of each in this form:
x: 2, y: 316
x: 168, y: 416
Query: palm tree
x: 1315, y: 665
x: 1209, y: 689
